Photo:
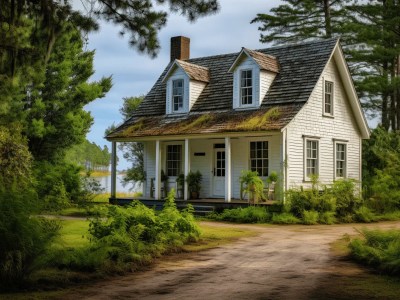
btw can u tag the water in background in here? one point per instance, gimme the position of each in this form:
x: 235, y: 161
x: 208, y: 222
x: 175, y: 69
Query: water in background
x: 105, y: 182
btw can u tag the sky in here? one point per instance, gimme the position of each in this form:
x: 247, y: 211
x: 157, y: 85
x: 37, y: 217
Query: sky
x: 134, y: 74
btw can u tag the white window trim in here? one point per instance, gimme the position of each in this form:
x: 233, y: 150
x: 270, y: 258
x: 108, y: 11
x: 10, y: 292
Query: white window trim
x: 345, y: 159
x: 325, y: 114
x: 305, y: 139
x: 164, y: 159
x: 182, y: 109
x: 253, y: 100
x: 249, y: 157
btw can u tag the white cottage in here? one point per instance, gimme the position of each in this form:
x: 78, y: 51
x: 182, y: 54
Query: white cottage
x: 291, y: 109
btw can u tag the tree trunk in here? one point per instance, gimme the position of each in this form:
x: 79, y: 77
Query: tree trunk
x: 393, y: 97
x: 327, y: 13
x: 384, y: 108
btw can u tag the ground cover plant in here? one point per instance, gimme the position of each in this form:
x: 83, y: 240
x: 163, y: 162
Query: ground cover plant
x: 378, y: 249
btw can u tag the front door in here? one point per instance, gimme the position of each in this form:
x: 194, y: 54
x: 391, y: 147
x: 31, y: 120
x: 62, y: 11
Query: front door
x: 219, y: 173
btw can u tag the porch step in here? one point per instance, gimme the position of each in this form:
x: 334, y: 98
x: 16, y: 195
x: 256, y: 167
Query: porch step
x: 202, y: 210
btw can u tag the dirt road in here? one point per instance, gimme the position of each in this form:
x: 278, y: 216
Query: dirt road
x: 283, y: 262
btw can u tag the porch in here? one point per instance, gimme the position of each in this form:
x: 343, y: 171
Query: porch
x: 219, y: 158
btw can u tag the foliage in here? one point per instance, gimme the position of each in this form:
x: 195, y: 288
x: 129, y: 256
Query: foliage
x: 89, y: 155
x: 273, y: 177
x: 24, y: 237
x: 379, y: 249
x: 381, y: 170
x: 284, y: 218
x: 310, y: 217
x: 194, y: 181
x: 327, y: 217
x: 15, y: 159
x: 250, y: 214
x: 125, y: 237
x: 364, y: 214
x: 251, y: 184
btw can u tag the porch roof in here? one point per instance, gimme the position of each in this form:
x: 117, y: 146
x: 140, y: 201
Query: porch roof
x: 265, y: 119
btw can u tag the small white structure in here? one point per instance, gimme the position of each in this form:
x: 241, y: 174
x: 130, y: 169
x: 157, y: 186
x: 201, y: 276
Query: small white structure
x: 290, y: 109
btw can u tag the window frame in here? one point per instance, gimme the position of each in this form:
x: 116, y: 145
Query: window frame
x: 173, y: 95
x: 262, y: 159
x: 332, y: 97
x: 335, y: 161
x: 241, y: 88
x: 167, y: 160
x: 305, y: 157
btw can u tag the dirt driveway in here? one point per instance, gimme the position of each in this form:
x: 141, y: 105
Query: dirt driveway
x: 283, y: 262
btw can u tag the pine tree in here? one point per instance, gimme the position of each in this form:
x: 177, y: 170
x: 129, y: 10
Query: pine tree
x: 299, y: 20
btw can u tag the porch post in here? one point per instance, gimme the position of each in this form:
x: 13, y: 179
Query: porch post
x: 187, y: 168
x: 113, y: 169
x: 157, y: 183
x: 228, y: 169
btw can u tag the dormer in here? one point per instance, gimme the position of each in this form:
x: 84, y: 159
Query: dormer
x: 253, y: 74
x: 184, y: 81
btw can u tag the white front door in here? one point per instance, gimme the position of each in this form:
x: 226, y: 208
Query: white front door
x: 219, y: 173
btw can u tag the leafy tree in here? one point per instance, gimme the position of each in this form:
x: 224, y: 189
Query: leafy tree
x: 133, y: 152
x: 299, y: 20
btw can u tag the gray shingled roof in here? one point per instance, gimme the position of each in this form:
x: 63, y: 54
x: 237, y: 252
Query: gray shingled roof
x: 300, y: 67
x: 265, y: 61
x: 194, y: 72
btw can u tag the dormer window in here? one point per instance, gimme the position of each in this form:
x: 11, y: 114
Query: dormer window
x: 246, y: 87
x: 177, y: 95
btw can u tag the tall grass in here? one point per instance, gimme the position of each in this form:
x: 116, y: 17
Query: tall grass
x: 379, y: 249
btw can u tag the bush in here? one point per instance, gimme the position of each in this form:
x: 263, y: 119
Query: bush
x: 250, y: 214
x: 284, y: 218
x: 327, y: 217
x: 310, y: 217
x: 379, y: 249
x: 24, y: 237
x: 365, y: 215
x: 125, y: 237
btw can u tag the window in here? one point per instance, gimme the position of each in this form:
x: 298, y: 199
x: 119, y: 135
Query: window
x: 311, y: 157
x: 328, y: 98
x: 246, y: 87
x: 340, y: 160
x: 177, y: 95
x: 174, y: 154
x: 259, y: 157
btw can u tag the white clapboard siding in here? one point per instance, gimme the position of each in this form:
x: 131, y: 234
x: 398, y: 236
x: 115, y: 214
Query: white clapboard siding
x: 266, y: 79
x: 196, y: 87
x: 204, y: 164
x: 311, y: 122
x: 149, y: 165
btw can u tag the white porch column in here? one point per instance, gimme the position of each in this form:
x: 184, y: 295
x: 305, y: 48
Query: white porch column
x: 157, y: 181
x: 113, y: 169
x: 187, y: 169
x: 228, y: 168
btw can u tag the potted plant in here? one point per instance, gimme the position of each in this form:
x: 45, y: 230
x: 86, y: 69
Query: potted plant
x: 164, y: 180
x: 180, y: 181
x: 193, y: 180
x: 252, y: 185
x: 271, y: 181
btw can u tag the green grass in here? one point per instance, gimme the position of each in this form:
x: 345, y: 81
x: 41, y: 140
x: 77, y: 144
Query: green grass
x: 73, y: 234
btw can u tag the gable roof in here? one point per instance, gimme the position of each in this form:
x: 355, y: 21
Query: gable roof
x: 300, y: 67
x: 194, y: 72
x: 266, y: 62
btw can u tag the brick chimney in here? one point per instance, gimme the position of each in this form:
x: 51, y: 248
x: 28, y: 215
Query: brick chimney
x: 180, y: 48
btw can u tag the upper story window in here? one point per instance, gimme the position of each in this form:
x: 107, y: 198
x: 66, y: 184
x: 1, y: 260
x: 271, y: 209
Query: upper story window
x: 177, y: 95
x: 259, y: 157
x: 328, y: 98
x: 246, y: 87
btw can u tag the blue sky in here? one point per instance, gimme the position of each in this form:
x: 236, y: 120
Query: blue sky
x: 134, y: 73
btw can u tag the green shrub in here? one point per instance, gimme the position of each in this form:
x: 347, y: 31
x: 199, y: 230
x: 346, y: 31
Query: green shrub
x: 327, y: 217
x: 379, y: 249
x: 364, y: 214
x: 347, y: 200
x: 284, y: 218
x: 24, y: 237
x: 250, y: 214
x: 310, y: 217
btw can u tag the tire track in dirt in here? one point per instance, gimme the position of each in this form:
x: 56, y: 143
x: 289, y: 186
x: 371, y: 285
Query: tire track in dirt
x: 283, y: 262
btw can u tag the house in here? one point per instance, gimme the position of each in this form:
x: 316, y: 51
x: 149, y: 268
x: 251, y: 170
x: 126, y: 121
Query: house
x: 291, y: 109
